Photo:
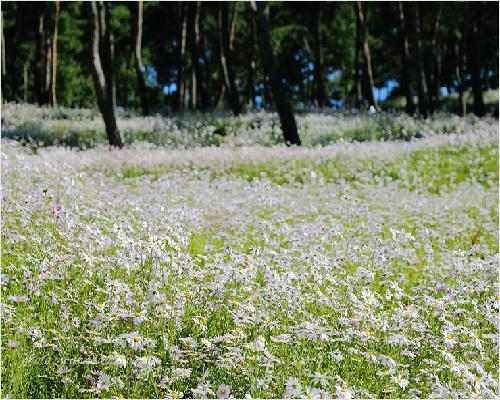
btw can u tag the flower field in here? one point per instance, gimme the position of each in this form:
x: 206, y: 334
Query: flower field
x: 367, y: 267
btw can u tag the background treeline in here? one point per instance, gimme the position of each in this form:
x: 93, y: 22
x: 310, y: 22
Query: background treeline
x: 206, y: 55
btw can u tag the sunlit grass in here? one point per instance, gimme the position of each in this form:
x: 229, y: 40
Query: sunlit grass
x: 352, y: 270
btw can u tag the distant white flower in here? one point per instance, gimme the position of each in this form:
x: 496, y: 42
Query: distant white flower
x: 182, y: 372
x: 175, y: 395
x: 283, y: 338
x: 135, y: 341
x: 313, y: 393
x: 103, y: 383
x: 449, y: 339
x: 119, y: 359
x: 202, y: 390
x: 320, y: 379
x: 140, y: 317
x: 400, y: 381
x: 223, y: 391
x: 293, y: 388
x: 343, y: 392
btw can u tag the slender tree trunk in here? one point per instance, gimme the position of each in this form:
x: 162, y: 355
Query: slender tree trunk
x: 47, y: 55
x: 193, y: 99
x: 476, y: 12
x: 367, y: 64
x: 43, y: 51
x: 139, y: 66
x: 460, y: 67
x: 4, y: 71
x: 198, y: 81
x: 319, y: 98
x: 250, y: 61
x: 423, y: 94
x: 460, y: 50
x: 436, y: 55
x: 25, y: 83
x: 125, y: 93
x: 206, y: 87
x: 232, y: 30
x: 225, y: 59
x: 102, y: 67
x: 405, y: 58
x: 54, y: 54
x: 38, y: 77
x: 181, y: 53
x: 288, y: 124
x: 200, y: 51
x: 357, y: 51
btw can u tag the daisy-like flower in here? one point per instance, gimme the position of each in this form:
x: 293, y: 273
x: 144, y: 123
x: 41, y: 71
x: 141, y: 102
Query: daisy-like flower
x: 343, y: 392
x: 182, y: 372
x: 139, y: 317
x: 314, y: 393
x: 293, y: 388
x: 478, y: 342
x: 449, y: 339
x: 175, y: 395
x: 202, y: 390
x: 320, y: 379
x: 135, y: 341
x: 400, y: 381
x: 119, y: 359
x: 223, y: 391
x: 283, y: 338
x: 103, y: 383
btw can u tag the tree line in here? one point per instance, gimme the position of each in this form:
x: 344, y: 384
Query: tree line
x: 175, y: 56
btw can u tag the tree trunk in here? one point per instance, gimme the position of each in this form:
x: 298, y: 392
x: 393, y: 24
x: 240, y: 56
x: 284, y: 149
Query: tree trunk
x: 319, y: 98
x: 43, y: 51
x: 181, y: 52
x: 47, y: 67
x: 232, y: 30
x: 54, y: 54
x: 405, y: 58
x: 357, y: 51
x: 288, y: 124
x: 25, y: 83
x: 199, y: 92
x: 250, y: 61
x: 423, y: 95
x: 225, y: 58
x: 476, y: 13
x: 4, y: 71
x: 367, y: 64
x: 436, y: 56
x: 461, y: 62
x: 222, y: 90
x: 139, y: 66
x: 102, y: 68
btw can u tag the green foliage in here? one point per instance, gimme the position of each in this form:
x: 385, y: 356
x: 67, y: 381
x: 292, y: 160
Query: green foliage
x: 292, y: 37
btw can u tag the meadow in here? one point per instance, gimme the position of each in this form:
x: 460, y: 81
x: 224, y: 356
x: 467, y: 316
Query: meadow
x: 208, y: 260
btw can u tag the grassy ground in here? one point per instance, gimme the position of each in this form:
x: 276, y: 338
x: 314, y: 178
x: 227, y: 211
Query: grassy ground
x: 356, y: 269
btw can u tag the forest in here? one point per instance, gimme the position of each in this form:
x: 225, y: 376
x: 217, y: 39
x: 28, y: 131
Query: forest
x: 249, y: 200
x: 172, y: 56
